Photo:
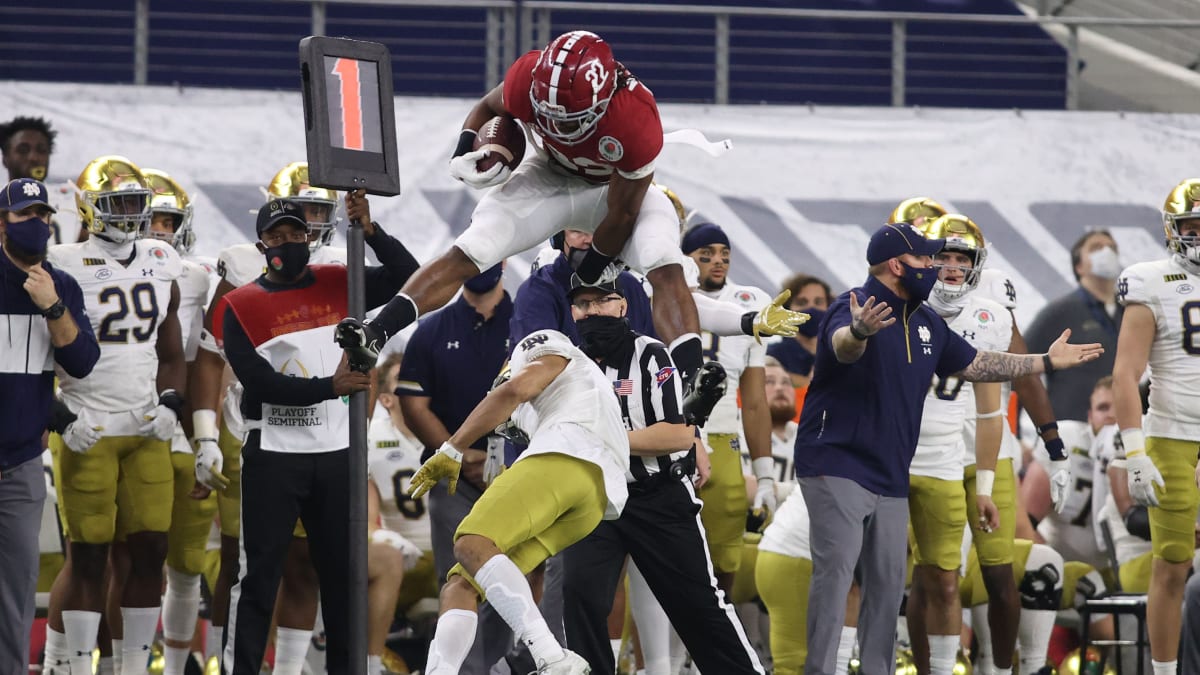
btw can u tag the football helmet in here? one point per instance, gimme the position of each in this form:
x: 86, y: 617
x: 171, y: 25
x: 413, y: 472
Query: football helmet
x: 573, y: 81
x: 961, y: 235
x: 168, y: 197
x: 320, y: 205
x: 680, y: 211
x: 112, y: 199
x: 916, y: 209
x: 1182, y: 204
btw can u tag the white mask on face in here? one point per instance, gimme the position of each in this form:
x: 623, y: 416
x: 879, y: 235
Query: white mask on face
x: 1105, y: 263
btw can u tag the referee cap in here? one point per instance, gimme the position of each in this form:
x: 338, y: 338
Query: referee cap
x: 896, y: 239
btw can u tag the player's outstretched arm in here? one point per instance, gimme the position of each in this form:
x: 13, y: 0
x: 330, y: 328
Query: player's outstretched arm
x: 1001, y: 366
x: 500, y: 403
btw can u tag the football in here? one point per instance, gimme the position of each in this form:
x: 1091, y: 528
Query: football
x: 504, y: 140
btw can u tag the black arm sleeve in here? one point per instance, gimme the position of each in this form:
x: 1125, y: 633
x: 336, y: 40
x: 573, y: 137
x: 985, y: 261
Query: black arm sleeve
x: 259, y: 379
x: 398, y: 265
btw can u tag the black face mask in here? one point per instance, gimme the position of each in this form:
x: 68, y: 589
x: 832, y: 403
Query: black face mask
x: 288, y: 259
x: 602, y: 336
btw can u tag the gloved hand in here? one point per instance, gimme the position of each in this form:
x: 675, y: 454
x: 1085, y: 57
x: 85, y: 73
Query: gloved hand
x: 412, y: 554
x: 81, y: 436
x: 776, y: 319
x: 1060, y: 483
x: 445, y: 463
x: 764, y: 495
x: 493, y: 466
x: 160, y: 423
x: 1142, y: 477
x: 463, y: 168
x: 209, y: 463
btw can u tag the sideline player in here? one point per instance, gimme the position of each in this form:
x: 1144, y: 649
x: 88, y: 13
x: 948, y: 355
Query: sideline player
x: 599, y: 135
x: 27, y: 144
x: 570, y: 478
x: 121, y: 485
x: 1160, y: 327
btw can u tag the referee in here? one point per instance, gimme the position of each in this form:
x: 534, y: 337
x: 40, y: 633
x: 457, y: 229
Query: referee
x: 660, y: 526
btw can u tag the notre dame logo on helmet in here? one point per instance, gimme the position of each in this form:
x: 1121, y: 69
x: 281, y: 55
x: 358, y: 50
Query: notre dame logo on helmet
x: 532, y: 342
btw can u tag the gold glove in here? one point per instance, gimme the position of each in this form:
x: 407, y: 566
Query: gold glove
x: 775, y: 319
x: 445, y: 463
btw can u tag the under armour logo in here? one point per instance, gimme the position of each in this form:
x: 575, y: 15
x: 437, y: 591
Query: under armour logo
x: 147, y: 273
x: 968, y: 334
x: 452, y: 345
x: 31, y: 190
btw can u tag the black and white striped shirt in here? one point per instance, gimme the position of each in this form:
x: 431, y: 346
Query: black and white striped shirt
x: 649, y: 388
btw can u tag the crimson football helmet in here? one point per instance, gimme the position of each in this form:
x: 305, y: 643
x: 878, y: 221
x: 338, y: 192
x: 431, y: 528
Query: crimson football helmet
x: 573, y: 81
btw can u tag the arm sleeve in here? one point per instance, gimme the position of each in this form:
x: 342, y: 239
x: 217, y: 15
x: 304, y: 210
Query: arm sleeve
x: 416, y: 368
x: 661, y: 388
x: 79, y: 357
x: 260, y: 380
x: 398, y: 265
x: 534, y: 309
x: 957, y: 355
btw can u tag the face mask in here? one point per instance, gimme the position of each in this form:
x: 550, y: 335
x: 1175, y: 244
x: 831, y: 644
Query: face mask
x: 288, y: 259
x: 601, y: 336
x: 1105, y: 263
x: 811, y: 327
x: 918, y: 281
x: 28, y: 238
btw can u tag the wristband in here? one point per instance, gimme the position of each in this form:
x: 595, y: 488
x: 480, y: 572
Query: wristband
x: 1047, y: 366
x: 55, y: 311
x: 857, y: 335
x: 451, y: 452
x: 984, y: 480
x: 170, y: 398
x: 204, y: 424
x: 466, y: 141
x: 1056, y: 449
x: 998, y: 412
x: 1048, y: 426
x: 748, y: 322
x: 1134, y: 442
x: 764, y: 468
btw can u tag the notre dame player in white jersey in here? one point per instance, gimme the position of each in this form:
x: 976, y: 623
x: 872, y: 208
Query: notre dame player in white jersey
x: 121, y: 486
x: 743, y: 358
x: 1160, y: 327
x: 195, y: 505
x: 400, y: 568
x: 938, y: 502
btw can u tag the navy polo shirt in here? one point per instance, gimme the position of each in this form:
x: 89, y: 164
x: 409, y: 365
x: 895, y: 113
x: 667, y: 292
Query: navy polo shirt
x: 542, y: 303
x: 861, y: 420
x: 792, y: 356
x: 453, y: 357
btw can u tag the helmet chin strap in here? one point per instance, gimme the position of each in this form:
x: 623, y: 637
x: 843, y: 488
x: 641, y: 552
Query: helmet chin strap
x: 945, y: 308
x: 119, y: 250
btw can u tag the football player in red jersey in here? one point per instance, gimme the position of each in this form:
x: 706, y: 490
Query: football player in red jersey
x: 597, y: 133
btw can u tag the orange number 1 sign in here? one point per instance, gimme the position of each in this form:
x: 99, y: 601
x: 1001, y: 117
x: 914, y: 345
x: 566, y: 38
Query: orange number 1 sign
x: 352, y: 126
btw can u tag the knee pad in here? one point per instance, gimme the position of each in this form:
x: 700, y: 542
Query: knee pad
x: 1041, y: 585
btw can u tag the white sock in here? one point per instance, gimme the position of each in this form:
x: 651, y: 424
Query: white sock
x: 845, y: 649
x: 678, y: 652
x: 1033, y: 636
x: 374, y: 664
x: 942, y: 650
x: 291, y: 646
x: 996, y: 670
x: 1160, y: 667
x: 452, y: 640
x: 654, y: 628
x: 56, y: 651
x: 983, y: 634
x: 117, y: 644
x: 508, y: 591
x: 616, y: 650
x: 80, y: 628
x: 181, y: 605
x: 104, y: 666
x: 174, y: 660
x: 141, y: 623
x: 212, y: 642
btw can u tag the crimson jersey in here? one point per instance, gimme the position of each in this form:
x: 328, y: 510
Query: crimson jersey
x: 627, y: 138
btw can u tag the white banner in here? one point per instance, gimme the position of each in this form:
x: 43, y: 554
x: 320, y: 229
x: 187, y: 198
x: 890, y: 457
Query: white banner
x: 800, y: 190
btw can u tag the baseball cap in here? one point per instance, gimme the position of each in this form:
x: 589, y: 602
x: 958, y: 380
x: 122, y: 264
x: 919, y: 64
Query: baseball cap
x: 604, y: 287
x: 279, y: 211
x: 895, y: 239
x: 24, y: 192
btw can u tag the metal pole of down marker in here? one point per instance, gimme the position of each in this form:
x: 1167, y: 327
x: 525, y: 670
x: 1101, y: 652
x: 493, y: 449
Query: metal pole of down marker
x: 357, y: 586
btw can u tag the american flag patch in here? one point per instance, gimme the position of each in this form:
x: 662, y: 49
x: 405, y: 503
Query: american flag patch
x: 663, y: 375
x: 623, y: 387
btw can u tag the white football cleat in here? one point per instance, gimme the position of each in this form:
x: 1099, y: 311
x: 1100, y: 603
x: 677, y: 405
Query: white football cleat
x: 570, y: 664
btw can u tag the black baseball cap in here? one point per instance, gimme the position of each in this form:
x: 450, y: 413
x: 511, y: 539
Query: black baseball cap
x: 896, y: 239
x: 277, y: 212
x: 605, y: 287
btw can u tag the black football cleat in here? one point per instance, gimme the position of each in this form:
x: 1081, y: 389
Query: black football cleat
x: 702, y: 392
x: 362, y: 342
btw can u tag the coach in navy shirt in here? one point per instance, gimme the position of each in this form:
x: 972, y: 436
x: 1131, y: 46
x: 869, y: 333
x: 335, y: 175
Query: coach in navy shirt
x: 878, y: 348
x: 41, y: 309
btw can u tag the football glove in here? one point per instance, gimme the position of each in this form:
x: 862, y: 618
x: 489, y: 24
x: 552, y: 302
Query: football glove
x: 209, y: 463
x: 1142, y: 477
x: 463, y: 168
x: 702, y: 392
x: 775, y: 319
x: 161, y: 420
x: 445, y: 463
x: 79, y: 436
x: 764, y: 495
x: 1060, y: 483
x: 493, y: 466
